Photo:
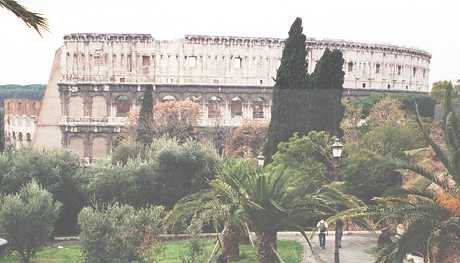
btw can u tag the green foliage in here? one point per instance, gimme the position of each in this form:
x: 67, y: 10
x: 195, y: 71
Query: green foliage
x: 326, y: 91
x: 34, y: 91
x: 305, y: 158
x: 58, y: 172
x: 393, y: 140
x: 426, y: 104
x: 289, y: 95
x: 123, y: 152
x: 160, y: 174
x: 366, y: 176
x: 171, y: 252
x: 119, y: 233
x: 439, y: 88
x: 428, y: 214
x: 33, y: 20
x: 366, y: 103
x: 27, y: 218
x: 145, y: 121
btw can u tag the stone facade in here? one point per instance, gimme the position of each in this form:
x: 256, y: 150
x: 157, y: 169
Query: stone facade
x: 97, y: 79
x: 20, y: 120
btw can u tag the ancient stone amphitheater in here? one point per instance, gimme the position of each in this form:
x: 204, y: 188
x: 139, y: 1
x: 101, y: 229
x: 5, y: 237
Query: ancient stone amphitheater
x: 97, y: 79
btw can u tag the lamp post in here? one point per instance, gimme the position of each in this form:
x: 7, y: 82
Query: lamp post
x: 337, y: 149
x: 3, y: 244
x: 260, y: 160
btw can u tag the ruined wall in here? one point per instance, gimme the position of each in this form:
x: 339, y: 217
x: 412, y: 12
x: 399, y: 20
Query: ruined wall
x: 98, y: 79
x: 20, y: 120
x: 48, y: 133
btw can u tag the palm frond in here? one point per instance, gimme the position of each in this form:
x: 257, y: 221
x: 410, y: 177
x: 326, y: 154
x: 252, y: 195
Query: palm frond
x: 33, y: 20
x: 437, y: 150
x: 402, y: 164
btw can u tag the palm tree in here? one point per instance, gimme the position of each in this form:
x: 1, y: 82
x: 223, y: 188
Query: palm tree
x: 269, y: 203
x: 218, y: 207
x: 431, y: 215
x: 33, y: 20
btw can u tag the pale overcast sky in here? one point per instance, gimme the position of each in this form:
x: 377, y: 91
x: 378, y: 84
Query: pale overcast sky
x: 431, y: 25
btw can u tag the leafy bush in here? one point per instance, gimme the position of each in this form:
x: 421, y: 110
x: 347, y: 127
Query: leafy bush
x: 27, y: 218
x: 119, y: 233
x: 366, y: 176
x: 57, y: 171
x: 160, y: 174
x: 392, y: 139
x: 302, y: 158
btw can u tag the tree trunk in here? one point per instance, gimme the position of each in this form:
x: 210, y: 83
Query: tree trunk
x: 266, y: 242
x: 447, y: 253
x: 244, y: 237
x: 231, y: 242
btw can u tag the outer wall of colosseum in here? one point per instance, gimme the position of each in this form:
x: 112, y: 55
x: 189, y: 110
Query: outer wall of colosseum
x: 97, y: 79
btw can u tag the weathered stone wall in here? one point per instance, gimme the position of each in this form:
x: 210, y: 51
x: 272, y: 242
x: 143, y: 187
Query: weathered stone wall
x: 98, y: 79
x: 212, y: 60
x: 20, y: 121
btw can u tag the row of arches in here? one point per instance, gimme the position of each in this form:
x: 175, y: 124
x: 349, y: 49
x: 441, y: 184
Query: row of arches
x: 19, y: 138
x: 89, y: 148
x: 122, y: 105
x: 214, y: 104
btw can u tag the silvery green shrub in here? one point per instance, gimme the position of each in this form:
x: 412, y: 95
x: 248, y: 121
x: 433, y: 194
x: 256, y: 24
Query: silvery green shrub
x: 119, y: 233
x: 27, y: 219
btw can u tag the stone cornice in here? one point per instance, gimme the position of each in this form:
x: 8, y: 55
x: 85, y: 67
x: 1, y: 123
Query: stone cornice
x: 311, y: 42
x: 108, y: 37
x: 250, y: 41
x: 219, y: 40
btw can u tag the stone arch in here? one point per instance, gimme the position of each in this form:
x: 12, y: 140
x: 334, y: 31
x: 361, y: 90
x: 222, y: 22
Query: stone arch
x: 76, y: 108
x: 236, y: 106
x: 258, y: 108
x: 122, y: 106
x: 100, y: 147
x: 214, y: 105
x: 76, y: 145
x: 168, y: 98
x: 193, y: 98
x: 99, y: 108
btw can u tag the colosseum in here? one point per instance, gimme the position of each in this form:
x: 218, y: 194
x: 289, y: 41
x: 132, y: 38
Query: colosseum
x: 98, y: 79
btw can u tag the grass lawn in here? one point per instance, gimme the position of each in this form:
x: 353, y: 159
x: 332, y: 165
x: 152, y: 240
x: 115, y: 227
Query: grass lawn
x: 290, y: 251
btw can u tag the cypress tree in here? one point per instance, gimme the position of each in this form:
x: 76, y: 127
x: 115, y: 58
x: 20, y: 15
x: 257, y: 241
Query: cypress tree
x: 144, y: 130
x: 325, y: 108
x: 289, y: 92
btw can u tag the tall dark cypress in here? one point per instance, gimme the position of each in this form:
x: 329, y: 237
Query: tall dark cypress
x: 144, y: 130
x: 325, y: 108
x: 289, y: 96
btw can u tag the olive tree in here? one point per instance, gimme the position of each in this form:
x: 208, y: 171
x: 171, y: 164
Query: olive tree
x: 27, y: 219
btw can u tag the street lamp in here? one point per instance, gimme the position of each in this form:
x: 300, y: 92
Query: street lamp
x: 260, y: 160
x: 337, y: 149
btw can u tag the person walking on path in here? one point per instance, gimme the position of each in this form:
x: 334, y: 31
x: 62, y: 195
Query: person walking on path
x: 339, y: 231
x: 322, y: 228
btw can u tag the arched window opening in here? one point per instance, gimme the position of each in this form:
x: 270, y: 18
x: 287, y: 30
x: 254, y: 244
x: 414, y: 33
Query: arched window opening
x: 20, y: 137
x: 195, y: 99
x: 123, y: 106
x: 28, y: 137
x: 14, y: 135
x: 168, y: 98
x: 214, y: 107
x: 236, y: 107
x: 258, y: 108
x: 350, y: 66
